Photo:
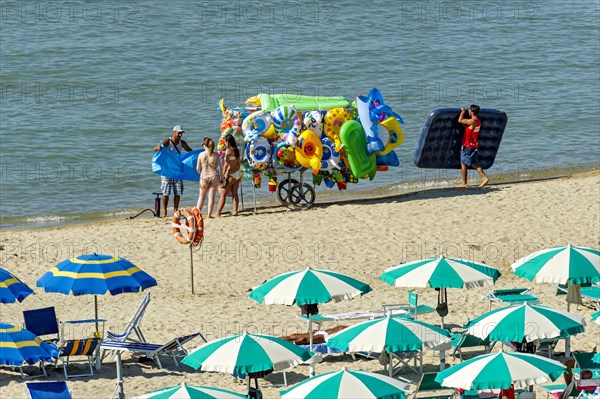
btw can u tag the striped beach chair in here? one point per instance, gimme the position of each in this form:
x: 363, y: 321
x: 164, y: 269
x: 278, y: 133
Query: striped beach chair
x: 78, y: 347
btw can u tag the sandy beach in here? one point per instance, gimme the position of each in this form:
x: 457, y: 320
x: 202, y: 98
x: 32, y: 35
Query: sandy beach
x: 494, y: 226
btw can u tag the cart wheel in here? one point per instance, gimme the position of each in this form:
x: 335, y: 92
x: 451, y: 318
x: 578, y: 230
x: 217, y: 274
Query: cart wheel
x: 283, y: 190
x: 302, y: 195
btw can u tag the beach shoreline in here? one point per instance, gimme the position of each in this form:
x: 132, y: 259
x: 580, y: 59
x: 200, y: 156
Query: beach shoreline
x: 360, y: 238
x: 431, y: 180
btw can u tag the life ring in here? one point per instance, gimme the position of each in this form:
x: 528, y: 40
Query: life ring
x: 199, y: 227
x: 189, y: 225
x: 256, y: 124
x: 285, y: 156
x: 259, y: 152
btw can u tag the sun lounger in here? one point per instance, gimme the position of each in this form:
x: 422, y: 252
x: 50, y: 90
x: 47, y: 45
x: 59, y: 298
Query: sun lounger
x: 591, y: 292
x: 511, y: 296
x: 133, y: 326
x: 427, y: 383
x: 78, y: 347
x: 48, y: 390
x: 43, y: 323
x: 464, y: 340
x: 153, y: 351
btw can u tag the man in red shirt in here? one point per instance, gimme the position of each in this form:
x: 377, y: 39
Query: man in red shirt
x: 470, y: 144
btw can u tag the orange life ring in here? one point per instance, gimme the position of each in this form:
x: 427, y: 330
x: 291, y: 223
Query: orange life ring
x: 199, y: 227
x: 189, y: 225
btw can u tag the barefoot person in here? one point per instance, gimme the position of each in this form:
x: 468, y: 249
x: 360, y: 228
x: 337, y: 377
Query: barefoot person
x: 176, y: 145
x: 210, y: 175
x: 470, y: 144
x: 231, y: 176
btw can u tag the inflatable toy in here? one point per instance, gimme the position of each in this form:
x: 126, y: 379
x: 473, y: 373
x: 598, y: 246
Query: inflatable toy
x: 333, y: 121
x: 309, y: 151
x: 441, y: 138
x: 372, y: 111
x: 287, y: 123
x: 389, y: 159
x: 354, y: 140
x: 285, y: 156
x: 176, y: 166
x: 259, y: 152
x: 256, y: 124
x: 390, y: 134
x: 269, y: 102
x: 331, y: 158
x: 271, y: 134
x: 313, y: 121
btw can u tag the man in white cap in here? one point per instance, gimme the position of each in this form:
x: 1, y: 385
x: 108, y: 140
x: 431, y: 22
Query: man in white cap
x: 175, y: 144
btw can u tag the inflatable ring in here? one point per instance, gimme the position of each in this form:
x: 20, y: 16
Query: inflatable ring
x: 331, y: 158
x: 256, y: 124
x: 199, y: 227
x: 309, y: 151
x: 285, y: 164
x: 287, y: 123
x: 259, y: 152
x: 189, y: 225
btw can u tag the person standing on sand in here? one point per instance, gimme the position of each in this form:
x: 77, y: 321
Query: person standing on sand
x: 470, y: 144
x: 231, y: 176
x: 175, y: 144
x: 209, y: 167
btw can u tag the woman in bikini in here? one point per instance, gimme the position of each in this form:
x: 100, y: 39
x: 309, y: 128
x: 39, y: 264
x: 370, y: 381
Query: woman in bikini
x: 231, y: 174
x: 209, y: 167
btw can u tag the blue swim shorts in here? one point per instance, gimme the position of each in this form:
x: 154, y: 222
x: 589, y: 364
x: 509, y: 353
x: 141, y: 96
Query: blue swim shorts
x: 468, y: 156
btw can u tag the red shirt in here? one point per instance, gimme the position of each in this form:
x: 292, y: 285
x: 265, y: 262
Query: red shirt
x: 471, y: 134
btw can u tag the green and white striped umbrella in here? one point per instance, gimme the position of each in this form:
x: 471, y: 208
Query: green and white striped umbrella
x: 527, y: 321
x: 499, y: 370
x: 390, y: 334
x: 246, y: 353
x: 596, y: 317
x: 307, y: 287
x: 596, y: 358
x: 560, y: 265
x: 347, y: 384
x: 185, y: 391
x: 441, y: 272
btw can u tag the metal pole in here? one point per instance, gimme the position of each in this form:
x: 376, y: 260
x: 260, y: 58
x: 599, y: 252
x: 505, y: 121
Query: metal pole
x: 311, y: 368
x: 391, y: 365
x: 120, y: 388
x: 96, y: 310
x: 192, y: 266
x: 242, y: 192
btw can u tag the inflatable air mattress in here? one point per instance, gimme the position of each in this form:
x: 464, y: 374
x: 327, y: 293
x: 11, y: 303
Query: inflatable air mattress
x: 441, y: 138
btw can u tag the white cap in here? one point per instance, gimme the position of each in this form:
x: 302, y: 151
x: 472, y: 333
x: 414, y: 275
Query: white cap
x: 178, y: 128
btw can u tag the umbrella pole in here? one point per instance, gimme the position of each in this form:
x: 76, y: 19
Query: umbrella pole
x: 96, y: 310
x: 311, y: 368
x: 391, y: 365
x: 192, y: 267
x: 248, y: 379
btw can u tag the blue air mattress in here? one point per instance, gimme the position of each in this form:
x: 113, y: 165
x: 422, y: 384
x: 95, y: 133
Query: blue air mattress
x: 441, y: 138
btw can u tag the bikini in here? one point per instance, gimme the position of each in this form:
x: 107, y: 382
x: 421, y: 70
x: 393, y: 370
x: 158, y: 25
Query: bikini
x: 238, y: 173
x: 210, y: 172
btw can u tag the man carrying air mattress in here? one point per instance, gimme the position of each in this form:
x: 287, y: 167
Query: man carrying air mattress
x: 470, y: 144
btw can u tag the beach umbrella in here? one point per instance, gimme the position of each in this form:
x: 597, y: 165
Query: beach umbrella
x: 525, y: 321
x: 246, y: 354
x: 19, y: 346
x: 500, y: 370
x: 596, y: 358
x: 441, y: 273
x: 560, y: 265
x: 185, y: 391
x: 596, y: 317
x: 11, y: 288
x: 95, y: 275
x: 390, y: 334
x: 308, y: 287
x: 347, y: 384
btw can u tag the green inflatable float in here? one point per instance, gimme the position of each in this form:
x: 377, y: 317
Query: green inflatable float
x: 269, y: 102
x: 354, y: 140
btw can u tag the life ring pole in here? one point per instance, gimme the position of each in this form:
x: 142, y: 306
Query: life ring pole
x: 192, y: 267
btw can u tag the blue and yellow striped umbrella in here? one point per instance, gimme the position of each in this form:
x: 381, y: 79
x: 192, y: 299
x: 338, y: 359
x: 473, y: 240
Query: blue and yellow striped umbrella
x: 11, y: 288
x: 95, y: 275
x: 18, y: 346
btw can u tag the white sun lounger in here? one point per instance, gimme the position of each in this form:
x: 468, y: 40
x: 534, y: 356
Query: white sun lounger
x: 511, y: 296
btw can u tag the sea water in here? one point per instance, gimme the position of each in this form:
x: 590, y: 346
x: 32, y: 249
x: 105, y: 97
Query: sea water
x: 88, y: 88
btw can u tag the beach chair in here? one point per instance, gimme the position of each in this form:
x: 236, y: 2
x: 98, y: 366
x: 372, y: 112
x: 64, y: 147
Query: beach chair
x: 464, y: 340
x: 401, y: 360
x: 48, y: 390
x: 133, y: 326
x: 78, y: 347
x: 511, y: 296
x: 547, y: 346
x: 412, y: 307
x: 173, y: 348
x: 427, y: 383
x: 588, y: 291
x: 42, y: 322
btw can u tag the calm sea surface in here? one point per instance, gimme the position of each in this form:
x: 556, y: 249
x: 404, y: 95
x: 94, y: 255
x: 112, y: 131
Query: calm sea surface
x: 89, y: 87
